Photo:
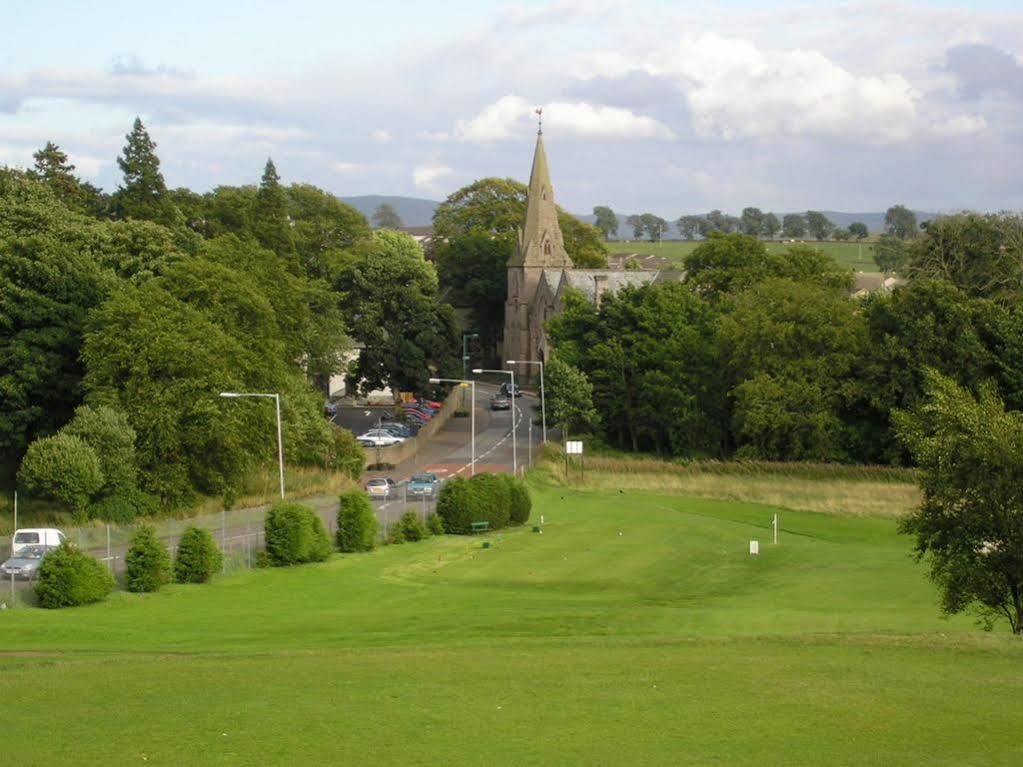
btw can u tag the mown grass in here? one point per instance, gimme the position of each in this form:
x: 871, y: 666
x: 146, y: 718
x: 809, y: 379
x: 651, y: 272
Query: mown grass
x: 634, y: 630
x: 827, y: 488
x: 855, y: 255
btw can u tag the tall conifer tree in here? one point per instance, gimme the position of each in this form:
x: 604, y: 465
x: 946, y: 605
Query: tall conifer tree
x: 271, y: 226
x: 144, y: 193
x: 52, y: 166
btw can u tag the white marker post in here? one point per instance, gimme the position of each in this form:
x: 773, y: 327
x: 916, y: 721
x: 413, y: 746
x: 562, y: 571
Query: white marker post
x: 754, y: 548
x: 775, y: 529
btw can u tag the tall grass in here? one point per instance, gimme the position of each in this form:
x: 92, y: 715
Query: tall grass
x: 828, y: 488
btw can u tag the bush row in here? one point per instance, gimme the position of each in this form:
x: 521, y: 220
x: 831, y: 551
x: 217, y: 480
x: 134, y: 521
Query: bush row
x: 499, y: 499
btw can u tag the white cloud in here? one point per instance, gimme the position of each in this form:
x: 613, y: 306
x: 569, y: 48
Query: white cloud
x: 510, y: 116
x: 344, y: 167
x: 381, y: 136
x: 964, y: 125
x: 426, y: 175
x: 86, y: 165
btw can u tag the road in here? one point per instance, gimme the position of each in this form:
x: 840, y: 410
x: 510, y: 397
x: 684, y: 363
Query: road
x: 447, y: 455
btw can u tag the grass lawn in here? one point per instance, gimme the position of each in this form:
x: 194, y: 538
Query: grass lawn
x: 634, y: 630
x: 857, y: 256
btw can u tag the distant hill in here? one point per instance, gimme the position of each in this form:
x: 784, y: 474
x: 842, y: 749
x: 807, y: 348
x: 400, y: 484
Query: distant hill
x: 414, y: 211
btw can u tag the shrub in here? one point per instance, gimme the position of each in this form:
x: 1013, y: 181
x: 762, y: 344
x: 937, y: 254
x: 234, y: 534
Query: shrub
x: 295, y: 535
x: 198, y: 557
x: 410, y: 528
x: 356, y: 523
x: 456, y: 506
x: 147, y: 562
x: 435, y: 524
x: 64, y: 468
x: 68, y: 578
x: 521, y: 503
x: 493, y: 499
x: 108, y: 432
x: 124, y: 507
x: 346, y: 455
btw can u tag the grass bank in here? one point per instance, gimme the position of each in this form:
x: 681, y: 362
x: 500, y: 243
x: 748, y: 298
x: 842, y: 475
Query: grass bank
x: 827, y: 488
x: 855, y: 255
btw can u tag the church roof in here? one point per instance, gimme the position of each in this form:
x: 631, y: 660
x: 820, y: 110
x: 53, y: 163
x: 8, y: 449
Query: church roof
x: 585, y: 280
x: 540, y: 241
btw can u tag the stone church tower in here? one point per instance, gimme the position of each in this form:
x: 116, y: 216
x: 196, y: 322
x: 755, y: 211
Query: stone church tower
x: 540, y: 246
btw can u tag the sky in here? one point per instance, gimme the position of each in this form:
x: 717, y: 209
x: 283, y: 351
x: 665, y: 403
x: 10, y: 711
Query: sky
x: 668, y: 107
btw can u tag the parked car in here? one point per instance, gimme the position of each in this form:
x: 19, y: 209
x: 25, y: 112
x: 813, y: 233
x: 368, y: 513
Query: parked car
x: 432, y: 404
x: 415, y: 408
x: 423, y: 485
x: 397, y: 429
x: 25, y: 564
x: 381, y: 487
x: 36, y: 536
x: 330, y: 409
x: 500, y: 402
x: 417, y: 416
x: 379, y: 438
x: 510, y: 391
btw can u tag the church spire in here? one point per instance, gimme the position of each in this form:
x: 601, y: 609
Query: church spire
x: 540, y: 241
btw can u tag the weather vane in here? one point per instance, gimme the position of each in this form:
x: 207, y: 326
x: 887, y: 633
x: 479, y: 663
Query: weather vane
x: 539, y: 119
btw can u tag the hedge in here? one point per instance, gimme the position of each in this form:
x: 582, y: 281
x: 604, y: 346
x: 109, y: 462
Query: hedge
x: 198, y: 557
x: 68, y: 577
x: 357, y: 525
x: 410, y: 528
x: 495, y: 498
x: 147, y: 562
x: 295, y: 535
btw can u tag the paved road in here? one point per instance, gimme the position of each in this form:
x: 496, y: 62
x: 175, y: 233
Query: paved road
x: 447, y: 454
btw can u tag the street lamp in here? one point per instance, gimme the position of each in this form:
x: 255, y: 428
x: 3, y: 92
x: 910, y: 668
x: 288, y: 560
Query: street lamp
x: 465, y: 352
x: 543, y: 399
x: 472, y: 417
x: 515, y: 449
x: 280, y: 442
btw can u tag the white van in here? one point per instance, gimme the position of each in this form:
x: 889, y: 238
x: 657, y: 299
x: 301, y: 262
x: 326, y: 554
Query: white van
x: 36, y: 536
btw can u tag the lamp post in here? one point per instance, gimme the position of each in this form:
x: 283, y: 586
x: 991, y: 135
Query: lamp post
x: 515, y: 449
x: 280, y: 442
x: 465, y: 352
x: 472, y: 418
x: 543, y: 398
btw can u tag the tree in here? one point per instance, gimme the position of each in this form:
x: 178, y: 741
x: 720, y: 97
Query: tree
x: 109, y: 434
x: 980, y: 254
x: 858, y: 230
x: 607, y: 221
x: 69, y: 578
x: 820, y: 226
x: 654, y: 226
x: 752, y: 221
x: 793, y: 226
x: 771, y: 225
x: 569, y: 397
x: 147, y: 563
x: 584, y: 244
x: 357, y: 525
x: 721, y: 222
x: 636, y: 222
x: 970, y: 522
x: 270, y: 220
x: 900, y: 222
x: 890, y: 254
x: 295, y: 535
x: 197, y: 558
x: 473, y: 274
x: 842, y: 234
x: 386, y: 217
x: 143, y: 194
x: 53, y: 168
x: 689, y: 226
x: 64, y: 468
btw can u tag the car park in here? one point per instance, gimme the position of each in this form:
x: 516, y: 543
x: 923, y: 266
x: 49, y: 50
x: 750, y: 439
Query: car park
x: 500, y: 402
x: 25, y: 564
x: 380, y: 487
x: 423, y: 485
x: 36, y: 536
x: 379, y: 438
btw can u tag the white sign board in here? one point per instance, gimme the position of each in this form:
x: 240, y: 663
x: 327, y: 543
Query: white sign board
x: 754, y: 547
x: 574, y: 448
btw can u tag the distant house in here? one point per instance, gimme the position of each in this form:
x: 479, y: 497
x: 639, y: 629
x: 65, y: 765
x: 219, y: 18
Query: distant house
x: 425, y: 237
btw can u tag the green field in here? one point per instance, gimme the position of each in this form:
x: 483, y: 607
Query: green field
x: 635, y: 630
x: 857, y: 256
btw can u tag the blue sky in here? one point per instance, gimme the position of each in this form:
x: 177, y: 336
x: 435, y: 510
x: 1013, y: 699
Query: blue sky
x: 662, y: 106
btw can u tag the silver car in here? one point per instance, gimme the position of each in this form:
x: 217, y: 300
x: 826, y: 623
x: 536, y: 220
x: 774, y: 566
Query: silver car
x: 25, y: 564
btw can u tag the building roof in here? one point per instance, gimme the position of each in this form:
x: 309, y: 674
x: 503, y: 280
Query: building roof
x: 585, y: 280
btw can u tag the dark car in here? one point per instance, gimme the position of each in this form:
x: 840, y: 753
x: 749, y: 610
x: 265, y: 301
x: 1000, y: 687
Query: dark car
x: 500, y: 402
x: 397, y: 429
x: 508, y: 390
x: 330, y: 409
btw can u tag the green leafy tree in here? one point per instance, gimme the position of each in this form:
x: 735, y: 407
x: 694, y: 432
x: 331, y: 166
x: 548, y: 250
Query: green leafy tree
x: 54, y: 169
x: 111, y: 437
x: 771, y: 226
x: 147, y: 563
x: 654, y: 226
x: 410, y: 528
x: 197, y: 558
x: 690, y: 226
x: 583, y: 243
x: 900, y: 222
x: 357, y: 525
x: 819, y: 225
x: 64, y: 468
x: 569, y: 397
x: 347, y: 455
x: 143, y: 194
x: 70, y: 578
x: 606, y: 221
x: 842, y: 234
x: 890, y: 254
x: 858, y: 230
x: 386, y: 217
x: 969, y: 525
x: 321, y: 227
x: 295, y: 535
x: 793, y: 226
x: 752, y: 221
x: 636, y: 222
x: 270, y: 215
x: 980, y: 254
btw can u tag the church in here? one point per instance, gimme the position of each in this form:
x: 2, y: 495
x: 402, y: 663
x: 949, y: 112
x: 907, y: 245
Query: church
x: 540, y: 271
